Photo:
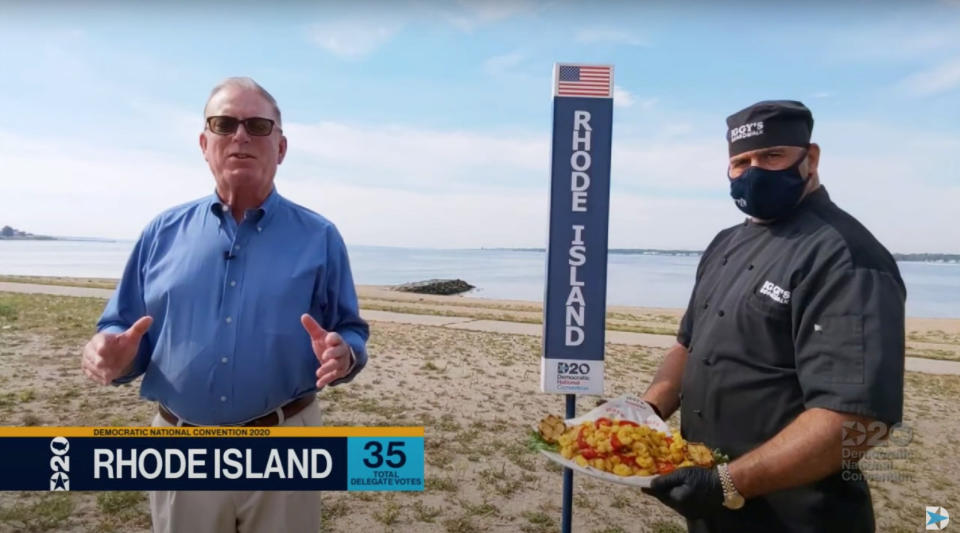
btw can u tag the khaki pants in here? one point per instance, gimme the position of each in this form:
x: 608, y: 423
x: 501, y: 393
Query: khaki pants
x: 238, y: 511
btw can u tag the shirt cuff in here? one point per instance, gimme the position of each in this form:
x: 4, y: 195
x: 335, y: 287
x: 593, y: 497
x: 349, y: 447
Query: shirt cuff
x: 353, y: 360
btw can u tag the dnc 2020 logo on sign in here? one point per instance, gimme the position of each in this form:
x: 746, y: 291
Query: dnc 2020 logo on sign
x: 937, y: 517
x: 573, y: 369
x: 60, y: 464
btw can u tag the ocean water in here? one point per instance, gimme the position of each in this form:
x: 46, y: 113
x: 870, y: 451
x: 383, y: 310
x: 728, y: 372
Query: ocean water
x: 933, y: 289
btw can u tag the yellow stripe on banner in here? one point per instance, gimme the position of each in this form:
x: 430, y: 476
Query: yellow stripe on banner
x: 211, y: 431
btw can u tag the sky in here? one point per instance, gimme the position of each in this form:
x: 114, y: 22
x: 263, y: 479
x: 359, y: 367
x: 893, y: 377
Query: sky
x: 428, y: 124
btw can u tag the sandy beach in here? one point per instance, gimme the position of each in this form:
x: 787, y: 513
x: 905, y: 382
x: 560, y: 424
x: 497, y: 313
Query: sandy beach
x: 476, y: 391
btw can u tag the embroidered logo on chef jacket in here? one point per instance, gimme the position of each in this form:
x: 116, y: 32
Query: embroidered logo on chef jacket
x: 775, y: 293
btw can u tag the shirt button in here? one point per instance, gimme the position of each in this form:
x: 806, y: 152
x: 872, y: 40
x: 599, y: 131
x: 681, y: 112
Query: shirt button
x: 706, y: 305
x: 707, y: 362
x: 720, y: 313
x: 223, y: 398
x: 223, y: 359
x: 750, y: 267
x: 696, y: 412
x: 229, y: 320
x: 233, y: 283
x: 724, y: 261
x: 236, y: 247
x: 259, y: 228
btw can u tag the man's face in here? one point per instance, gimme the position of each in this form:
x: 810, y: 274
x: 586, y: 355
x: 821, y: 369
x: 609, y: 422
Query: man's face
x: 773, y: 158
x: 240, y: 161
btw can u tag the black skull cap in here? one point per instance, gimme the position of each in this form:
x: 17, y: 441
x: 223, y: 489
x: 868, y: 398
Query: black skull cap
x: 769, y: 123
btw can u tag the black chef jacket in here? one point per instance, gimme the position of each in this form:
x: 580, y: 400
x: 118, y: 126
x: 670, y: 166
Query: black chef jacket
x: 807, y: 311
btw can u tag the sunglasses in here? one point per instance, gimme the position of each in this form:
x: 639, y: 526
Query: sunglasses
x: 224, y: 125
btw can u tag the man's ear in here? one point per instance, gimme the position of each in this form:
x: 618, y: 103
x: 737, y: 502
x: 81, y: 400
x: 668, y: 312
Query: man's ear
x: 813, y: 159
x: 203, y: 144
x: 283, y: 149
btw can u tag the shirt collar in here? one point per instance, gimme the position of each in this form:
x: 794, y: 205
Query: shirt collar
x: 816, y: 197
x: 262, y: 215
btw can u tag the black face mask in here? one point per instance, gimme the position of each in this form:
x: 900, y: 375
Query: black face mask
x: 768, y: 194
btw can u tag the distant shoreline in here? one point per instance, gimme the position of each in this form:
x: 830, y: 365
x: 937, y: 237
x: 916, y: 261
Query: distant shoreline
x: 935, y: 258
x: 918, y: 258
x: 48, y: 238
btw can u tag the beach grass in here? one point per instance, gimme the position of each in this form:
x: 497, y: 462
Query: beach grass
x: 476, y: 393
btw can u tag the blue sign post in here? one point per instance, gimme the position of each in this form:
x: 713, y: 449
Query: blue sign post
x: 576, y: 291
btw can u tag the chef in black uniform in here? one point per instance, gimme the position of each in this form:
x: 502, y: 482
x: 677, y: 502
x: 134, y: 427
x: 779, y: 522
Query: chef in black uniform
x: 795, y: 328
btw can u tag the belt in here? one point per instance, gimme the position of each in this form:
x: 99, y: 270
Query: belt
x: 270, y: 419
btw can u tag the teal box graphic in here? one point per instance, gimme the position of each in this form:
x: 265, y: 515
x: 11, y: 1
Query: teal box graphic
x: 385, y: 463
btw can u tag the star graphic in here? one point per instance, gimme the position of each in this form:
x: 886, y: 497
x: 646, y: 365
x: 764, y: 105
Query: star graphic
x: 935, y: 518
x: 59, y: 484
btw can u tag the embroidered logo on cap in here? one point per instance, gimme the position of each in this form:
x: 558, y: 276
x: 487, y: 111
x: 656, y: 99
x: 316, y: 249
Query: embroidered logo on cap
x: 775, y: 293
x: 747, y: 130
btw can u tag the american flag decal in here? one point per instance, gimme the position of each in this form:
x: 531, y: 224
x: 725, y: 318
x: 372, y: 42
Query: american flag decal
x: 592, y: 81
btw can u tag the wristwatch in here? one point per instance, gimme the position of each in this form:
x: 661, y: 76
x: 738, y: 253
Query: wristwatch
x: 732, y: 499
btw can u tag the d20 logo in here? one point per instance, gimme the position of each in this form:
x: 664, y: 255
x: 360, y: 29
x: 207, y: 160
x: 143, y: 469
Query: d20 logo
x: 60, y: 464
x: 854, y: 433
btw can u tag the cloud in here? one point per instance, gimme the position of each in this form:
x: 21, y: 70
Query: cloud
x: 608, y: 36
x: 886, y: 43
x: 939, y: 79
x: 404, y: 185
x: 415, y: 158
x: 353, y: 39
x: 471, y: 14
x: 622, y: 97
x: 504, y: 63
x: 69, y: 187
x: 356, y: 36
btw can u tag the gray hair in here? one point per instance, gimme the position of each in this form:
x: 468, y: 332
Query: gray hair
x: 245, y: 83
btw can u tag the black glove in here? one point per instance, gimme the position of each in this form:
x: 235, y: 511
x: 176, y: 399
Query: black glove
x: 693, y: 492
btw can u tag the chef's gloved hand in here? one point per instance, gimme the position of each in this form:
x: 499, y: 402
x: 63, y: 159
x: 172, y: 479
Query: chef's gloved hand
x: 693, y: 492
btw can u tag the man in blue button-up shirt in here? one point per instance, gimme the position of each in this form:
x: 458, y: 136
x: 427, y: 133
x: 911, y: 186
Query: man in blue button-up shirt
x: 237, y: 307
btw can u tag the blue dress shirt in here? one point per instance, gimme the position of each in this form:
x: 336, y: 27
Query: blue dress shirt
x: 226, y: 344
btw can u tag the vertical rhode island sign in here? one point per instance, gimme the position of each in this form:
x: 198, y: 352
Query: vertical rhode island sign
x: 576, y: 292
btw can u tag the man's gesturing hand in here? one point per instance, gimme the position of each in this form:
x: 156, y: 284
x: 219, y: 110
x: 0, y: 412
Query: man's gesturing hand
x: 108, y: 356
x: 331, y: 351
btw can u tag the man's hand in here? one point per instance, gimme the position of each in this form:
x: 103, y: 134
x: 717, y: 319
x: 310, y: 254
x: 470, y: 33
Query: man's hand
x: 693, y: 492
x: 108, y: 356
x: 331, y: 351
